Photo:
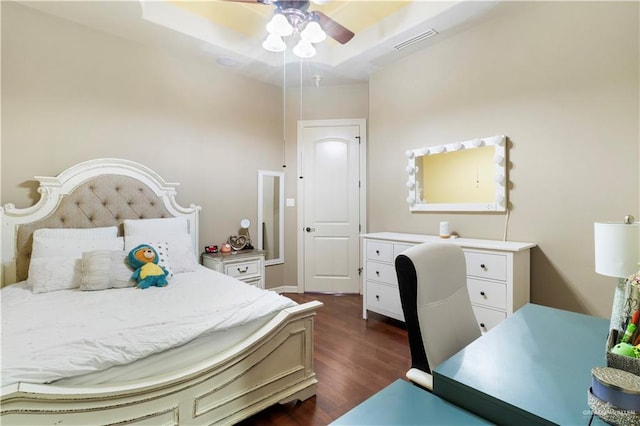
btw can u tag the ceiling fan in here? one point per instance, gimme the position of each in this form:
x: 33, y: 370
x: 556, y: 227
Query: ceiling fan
x: 297, y: 13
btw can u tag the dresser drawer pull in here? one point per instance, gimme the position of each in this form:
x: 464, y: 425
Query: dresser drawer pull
x: 377, y: 252
x: 242, y: 271
x: 377, y: 297
x: 482, y: 265
x: 482, y: 325
x: 482, y: 293
x: 378, y: 273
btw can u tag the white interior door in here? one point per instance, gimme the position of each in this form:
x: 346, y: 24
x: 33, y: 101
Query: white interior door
x: 331, y: 200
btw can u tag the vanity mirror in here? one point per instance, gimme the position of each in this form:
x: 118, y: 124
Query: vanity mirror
x: 271, y: 215
x: 461, y: 176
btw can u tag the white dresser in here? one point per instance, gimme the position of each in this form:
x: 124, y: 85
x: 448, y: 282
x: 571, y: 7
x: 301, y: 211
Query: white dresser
x: 247, y: 266
x: 497, y: 274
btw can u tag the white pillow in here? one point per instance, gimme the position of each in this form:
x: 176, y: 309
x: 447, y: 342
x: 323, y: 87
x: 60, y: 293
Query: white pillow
x: 174, y: 231
x: 77, y: 233
x: 103, y: 269
x: 156, y: 228
x: 162, y: 248
x: 55, y: 263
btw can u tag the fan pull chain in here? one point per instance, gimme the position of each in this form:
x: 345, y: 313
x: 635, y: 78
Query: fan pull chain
x: 284, y: 109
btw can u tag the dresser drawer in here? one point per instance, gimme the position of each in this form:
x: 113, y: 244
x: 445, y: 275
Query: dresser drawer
x: 382, y: 298
x: 384, y: 272
x: 488, y: 318
x: 379, y: 251
x: 398, y: 249
x: 241, y: 270
x: 487, y: 293
x: 486, y: 265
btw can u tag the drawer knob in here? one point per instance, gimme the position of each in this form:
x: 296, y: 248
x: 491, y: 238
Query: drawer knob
x: 482, y: 325
x: 482, y: 293
x: 483, y: 266
x: 378, y: 273
x: 377, y: 251
x: 242, y: 271
x: 377, y: 297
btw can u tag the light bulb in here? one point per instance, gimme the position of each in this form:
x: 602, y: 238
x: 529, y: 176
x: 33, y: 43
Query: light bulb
x: 274, y: 43
x: 279, y: 25
x: 304, y: 49
x: 313, y: 33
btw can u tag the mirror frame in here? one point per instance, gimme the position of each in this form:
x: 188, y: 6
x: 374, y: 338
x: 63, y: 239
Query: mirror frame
x: 499, y: 204
x: 261, y: 176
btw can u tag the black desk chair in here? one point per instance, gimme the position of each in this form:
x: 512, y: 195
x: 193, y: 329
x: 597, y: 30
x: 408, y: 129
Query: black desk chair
x: 432, y: 279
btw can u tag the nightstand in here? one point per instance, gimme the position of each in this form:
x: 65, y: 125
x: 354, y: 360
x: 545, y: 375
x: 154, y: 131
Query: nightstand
x: 245, y: 265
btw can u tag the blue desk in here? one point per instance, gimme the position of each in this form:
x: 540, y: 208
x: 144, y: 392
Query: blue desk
x: 402, y: 403
x: 533, y: 368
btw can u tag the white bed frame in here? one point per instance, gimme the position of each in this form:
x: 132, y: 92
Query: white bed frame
x: 273, y: 365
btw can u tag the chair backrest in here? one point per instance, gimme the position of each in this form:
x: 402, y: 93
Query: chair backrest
x: 435, y: 302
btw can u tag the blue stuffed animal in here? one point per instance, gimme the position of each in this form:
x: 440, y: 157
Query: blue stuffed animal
x: 144, y: 259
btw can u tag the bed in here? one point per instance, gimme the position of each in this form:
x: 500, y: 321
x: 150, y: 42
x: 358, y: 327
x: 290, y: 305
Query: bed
x: 259, y: 354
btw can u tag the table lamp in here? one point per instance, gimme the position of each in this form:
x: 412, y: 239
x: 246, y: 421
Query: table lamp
x: 617, y: 254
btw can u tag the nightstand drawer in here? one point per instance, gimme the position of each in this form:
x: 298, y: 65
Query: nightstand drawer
x: 242, y: 269
x: 247, y: 266
x: 486, y: 265
x: 487, y: 293
x: 382, y: 252
x: 382, y: 272
x: 382, y: 298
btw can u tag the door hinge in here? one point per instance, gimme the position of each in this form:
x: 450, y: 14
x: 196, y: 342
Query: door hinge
x: 360, y: 271
x: 359, y: 228
x: 359, y: 141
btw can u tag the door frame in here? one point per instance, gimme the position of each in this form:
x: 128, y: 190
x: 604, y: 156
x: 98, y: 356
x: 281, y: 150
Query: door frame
x: 362, y: 173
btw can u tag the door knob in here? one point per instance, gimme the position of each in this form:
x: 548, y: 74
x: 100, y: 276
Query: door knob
x: 310, y: 229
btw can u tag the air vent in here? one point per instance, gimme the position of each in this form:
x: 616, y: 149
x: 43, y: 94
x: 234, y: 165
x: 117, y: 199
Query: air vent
x: 413, y: 40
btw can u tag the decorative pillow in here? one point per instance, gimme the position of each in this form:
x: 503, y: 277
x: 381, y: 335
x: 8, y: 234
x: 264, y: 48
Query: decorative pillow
x: 103, y: 233
x: 55, y: 263
x: 103, y: 269
x: 174, y: 231
x: 162, y: 248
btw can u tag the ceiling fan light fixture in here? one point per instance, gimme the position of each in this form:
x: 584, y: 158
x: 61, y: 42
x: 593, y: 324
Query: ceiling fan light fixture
x: 279, y: 25
x: 304, y: 49
x: 274, y: 43
x: 313, y: 33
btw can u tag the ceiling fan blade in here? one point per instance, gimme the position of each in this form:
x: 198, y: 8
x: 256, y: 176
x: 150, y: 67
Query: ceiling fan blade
x: 332, y: 28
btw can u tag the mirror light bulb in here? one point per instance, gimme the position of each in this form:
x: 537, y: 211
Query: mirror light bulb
x: 411, y: 184
x: 410, y: 169
x: 409, y: 153
x: 410, y: 200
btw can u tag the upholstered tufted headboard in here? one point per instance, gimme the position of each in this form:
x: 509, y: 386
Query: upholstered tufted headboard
x: 95, y: 193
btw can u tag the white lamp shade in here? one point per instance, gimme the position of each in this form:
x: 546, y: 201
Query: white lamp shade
x: 274, y: 43
x: 304, y: 49
x: 617, y: 248
x: 279, y: 25
x: 313, y: 33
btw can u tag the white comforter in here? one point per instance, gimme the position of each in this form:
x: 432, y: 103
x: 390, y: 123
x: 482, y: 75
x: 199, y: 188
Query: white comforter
x: 67, y: 333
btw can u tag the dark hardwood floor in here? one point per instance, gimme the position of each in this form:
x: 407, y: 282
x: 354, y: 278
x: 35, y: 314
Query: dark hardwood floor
x: 354, y: 359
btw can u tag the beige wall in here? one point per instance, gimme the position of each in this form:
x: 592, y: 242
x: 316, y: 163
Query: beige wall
x: 561, y: 82
x: 71, y: 94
